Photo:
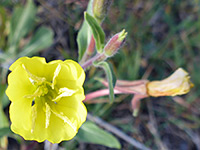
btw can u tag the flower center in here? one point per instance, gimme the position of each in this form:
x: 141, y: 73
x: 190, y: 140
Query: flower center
x: 47, y: 89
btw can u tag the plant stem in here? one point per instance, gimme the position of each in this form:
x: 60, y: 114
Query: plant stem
x: 89, y: 62
x: 117, y: 132
x: 99, y: 93
x: 50, y: 146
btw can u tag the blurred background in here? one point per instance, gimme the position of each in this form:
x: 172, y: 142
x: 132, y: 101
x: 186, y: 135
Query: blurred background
x: 163, y: 35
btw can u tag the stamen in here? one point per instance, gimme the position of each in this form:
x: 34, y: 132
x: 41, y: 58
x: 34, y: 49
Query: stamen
x: 34, y: 116
x: 64, y: 92
x: 48, y: 113
x: 40, y: 91
x: 33, y: 78
x: 66, y: 120
x: 58, y: 68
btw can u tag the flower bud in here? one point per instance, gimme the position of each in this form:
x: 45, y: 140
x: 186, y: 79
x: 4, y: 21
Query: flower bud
x: 115, y: 43
x: 177, y: 84
x: 100, y: 8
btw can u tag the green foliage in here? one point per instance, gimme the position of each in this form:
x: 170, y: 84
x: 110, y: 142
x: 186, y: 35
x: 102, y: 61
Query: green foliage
x: 4, y: 131
x: 3, y: 18
x: 84, y: 34
x: 91, y: 133
x: 110, y: 78
x: 21, y: 23
x: 3, y: 102
x: 97, y: 32
x: 42, y: 38
x: 5, y: 2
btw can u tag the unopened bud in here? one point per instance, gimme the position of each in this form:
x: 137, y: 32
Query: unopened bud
x: 115, y: 43
x: 100, y: 8
x: 177, y: 84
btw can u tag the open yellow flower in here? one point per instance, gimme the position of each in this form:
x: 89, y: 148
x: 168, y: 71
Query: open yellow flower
x: 46, y: 99
x: 177, y: 84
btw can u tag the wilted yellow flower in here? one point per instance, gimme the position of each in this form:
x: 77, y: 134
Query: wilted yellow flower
x: 177, y: 84
x: 46, y: 99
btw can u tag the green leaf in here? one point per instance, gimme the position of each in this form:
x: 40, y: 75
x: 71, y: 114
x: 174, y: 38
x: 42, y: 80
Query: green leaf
x: 3, y: 118
x: 91, y: 133
x: 43, y: 38
x: 4, y: 131
x: 3, y: 18
x: 110, y: 77
x: 21, y: 23
x: 5, y: 2
x: 97, y: 32
x: 4, y: 101
x: 84, y: 34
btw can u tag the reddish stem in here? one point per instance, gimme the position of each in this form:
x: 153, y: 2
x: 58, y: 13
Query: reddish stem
x: 99, y: 93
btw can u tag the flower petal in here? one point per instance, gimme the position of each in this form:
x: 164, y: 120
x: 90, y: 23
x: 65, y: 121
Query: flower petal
x: 19, y: 84
x: 66, y: 118
x: 37, y: 66
x: 77, y: 71
x: 59, y: 130
x: 73, y: 109
x: 177, y: 84
x: 34, y: 61
x: 20, y: 116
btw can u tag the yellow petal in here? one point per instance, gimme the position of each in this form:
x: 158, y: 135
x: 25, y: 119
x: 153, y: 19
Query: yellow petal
x: 177, y: 84
x: 77, y: 71
x: 72, y: 85
x: 37, y: 66
x: 20, y: 115
x: 71, y: 76
x: 34, y: 61
x: 59, y: 129
x: 19, y: 84
x: 37, y: 130
x: 73, y: 109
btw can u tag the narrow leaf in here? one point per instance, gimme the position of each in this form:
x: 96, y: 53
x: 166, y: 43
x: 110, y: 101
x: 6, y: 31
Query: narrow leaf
x: 84, y: 34
x: 110, y: 77
x: 4, y: 131
x: 42, y: 39
x: 91, y: 133
x: 21, y: 23
x: 4, y: 101
x: 3, y: 118
x: 3, y: 18
x: 97, y: 32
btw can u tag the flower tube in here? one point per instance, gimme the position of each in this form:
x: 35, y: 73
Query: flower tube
x: 177, y: 84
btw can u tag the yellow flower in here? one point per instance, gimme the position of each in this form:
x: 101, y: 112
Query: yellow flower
x: 46, y: 99
x: 176, y: 84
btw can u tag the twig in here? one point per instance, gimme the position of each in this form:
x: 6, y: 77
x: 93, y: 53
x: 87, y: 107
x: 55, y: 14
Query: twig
x: 152, y: 125
x: 117, y: 132
x: 194, y: 136
x: 49, y: 146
